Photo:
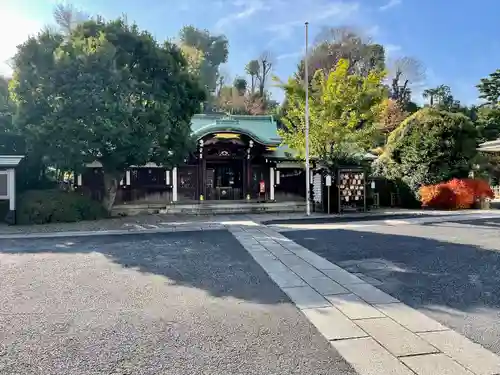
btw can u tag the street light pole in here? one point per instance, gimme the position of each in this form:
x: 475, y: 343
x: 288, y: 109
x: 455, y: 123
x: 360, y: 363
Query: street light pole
x: 306, y: 82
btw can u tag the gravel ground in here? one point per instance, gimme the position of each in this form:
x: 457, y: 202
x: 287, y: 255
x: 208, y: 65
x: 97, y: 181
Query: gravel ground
x: 448, y: 270
x: 179, y: 303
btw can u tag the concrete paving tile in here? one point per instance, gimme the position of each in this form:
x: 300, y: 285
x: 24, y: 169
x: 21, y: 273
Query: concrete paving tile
x: 273, y: 266
x: 368, y: 357
x: 469, y: 354
x: 433, y: 364
x: 368, y: 279
x: 264, y: 257
x: 326, y: 286
x: 278, y: 250
x: 410, y: 318
x: 292, y: 260
x: 370, y: 294
x: 306, y: 298
x: 354, y: 307
x: 343, y: 277
x: 395, y: 338
x: 286, y: 279
x: 307, y: 272
x: 332, y: 324
x: 319, y: 262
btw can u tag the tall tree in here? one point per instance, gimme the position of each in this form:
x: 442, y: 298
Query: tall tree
x: 115, y: 95
x: 6, y: 106
x: 232, y: 101
x: 265, y: 66
x: 442, y: 98
x: 253, y: 70
x: 489, y: 88
x: 334, y: 44
x: 343, y: 114
x: 68, y: 17
x: 223, y: 78
x: 215, y: 50
x: 404, y: 72
x: 194, y: 59
x: 241, y: 85
x: 391, y: 116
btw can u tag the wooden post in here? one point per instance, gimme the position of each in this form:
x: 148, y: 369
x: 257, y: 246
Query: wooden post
x: 174, y: 184
x: 328, y: 200
x: 11, y: 189
x: 271, y: 184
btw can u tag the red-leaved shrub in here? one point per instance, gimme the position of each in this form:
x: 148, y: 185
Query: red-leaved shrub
x: 455, y: 194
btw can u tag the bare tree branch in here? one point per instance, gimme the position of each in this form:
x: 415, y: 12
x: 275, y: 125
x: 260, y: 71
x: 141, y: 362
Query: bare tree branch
x: 68, y: 17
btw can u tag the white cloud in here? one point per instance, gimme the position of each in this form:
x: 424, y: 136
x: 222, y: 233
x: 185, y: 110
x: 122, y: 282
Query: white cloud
x: 390, y: 4
x: 247, y: 9
x: 14, y: 30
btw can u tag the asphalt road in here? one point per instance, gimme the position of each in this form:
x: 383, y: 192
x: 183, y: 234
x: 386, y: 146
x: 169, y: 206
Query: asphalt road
x: 450, y: 271
x: 181, y: 303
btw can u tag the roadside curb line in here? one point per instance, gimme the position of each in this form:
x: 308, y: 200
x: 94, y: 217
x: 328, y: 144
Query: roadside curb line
x: 104, y: 232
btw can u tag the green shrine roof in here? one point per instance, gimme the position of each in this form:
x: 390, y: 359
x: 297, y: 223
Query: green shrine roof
x: 262, y: 129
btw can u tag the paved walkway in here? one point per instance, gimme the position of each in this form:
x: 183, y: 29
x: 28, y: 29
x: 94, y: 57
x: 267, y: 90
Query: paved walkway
x: 373, y: 331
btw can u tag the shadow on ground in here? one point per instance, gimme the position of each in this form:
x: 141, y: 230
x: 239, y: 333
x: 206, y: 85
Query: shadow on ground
x: 449, y: 270
x: 423, y: 271
x: 346, y: 219
x: 213, y: 261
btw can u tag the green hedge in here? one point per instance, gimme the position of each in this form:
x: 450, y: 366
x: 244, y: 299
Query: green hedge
x: 53, y: 206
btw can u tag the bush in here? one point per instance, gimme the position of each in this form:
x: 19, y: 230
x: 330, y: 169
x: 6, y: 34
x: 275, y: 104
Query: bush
x: 455, y: 194
x: 428, y: 147
x: 52, y: 206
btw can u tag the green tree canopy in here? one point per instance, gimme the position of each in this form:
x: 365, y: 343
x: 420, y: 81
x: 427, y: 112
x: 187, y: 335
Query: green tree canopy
x: 430, y: 146
x: 489, y: 88
x: 214, y: 50
x: 344, y: 108
x: 108, y: 93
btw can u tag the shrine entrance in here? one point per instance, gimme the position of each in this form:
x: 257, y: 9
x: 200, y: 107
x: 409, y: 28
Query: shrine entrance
x: 224, y: 180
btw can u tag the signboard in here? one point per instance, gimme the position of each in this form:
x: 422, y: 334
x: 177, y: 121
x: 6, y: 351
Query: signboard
x: 262, y: 187
x: 317, y: 188
x: 351, y: 183
x: 328, y: 181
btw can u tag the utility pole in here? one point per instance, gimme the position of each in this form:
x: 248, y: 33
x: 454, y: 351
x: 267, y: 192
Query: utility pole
x: 306, y: 82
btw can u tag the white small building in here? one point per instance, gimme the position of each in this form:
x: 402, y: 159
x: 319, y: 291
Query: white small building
x: 8, y: 164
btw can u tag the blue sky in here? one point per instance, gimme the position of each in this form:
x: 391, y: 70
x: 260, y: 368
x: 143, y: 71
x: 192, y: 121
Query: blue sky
x: 458, y: 43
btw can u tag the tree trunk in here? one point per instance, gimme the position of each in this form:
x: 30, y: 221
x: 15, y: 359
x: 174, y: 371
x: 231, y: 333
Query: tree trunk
x: 110, y: 189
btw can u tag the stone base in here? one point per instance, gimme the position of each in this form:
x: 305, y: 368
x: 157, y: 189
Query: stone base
x: 10, y: 218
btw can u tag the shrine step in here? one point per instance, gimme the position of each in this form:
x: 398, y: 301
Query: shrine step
x: 209, y: 208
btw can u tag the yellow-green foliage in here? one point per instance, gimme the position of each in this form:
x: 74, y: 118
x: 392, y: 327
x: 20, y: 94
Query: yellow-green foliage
x: 343, y: 110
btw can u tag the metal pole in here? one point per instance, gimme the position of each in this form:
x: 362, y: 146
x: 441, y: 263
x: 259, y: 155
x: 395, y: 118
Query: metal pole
x: 306, y: 82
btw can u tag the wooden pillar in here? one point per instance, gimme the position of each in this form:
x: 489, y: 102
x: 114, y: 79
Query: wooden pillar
x: 203, y: 178
x: 271, y: 183
x: 244, y: 178
x: 249, y: 177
